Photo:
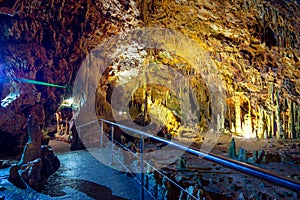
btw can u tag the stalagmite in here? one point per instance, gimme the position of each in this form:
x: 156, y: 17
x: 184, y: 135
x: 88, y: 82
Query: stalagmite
x: 232, y: 149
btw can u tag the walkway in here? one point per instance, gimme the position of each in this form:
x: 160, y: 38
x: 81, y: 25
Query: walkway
x: 81, y: 173
x: 81, y: 176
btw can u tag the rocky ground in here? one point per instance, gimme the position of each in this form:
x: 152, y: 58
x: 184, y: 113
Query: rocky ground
x: 212, y: 181
x: 283, y: 156
x: 80, y: 176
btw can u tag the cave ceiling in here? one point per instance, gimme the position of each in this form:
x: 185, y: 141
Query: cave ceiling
x: 254, y: 44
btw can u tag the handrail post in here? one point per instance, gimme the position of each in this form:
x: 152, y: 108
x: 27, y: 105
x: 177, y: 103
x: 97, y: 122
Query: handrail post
x: 101, y: 135
x: 112, y: 144
x: 142, y: 166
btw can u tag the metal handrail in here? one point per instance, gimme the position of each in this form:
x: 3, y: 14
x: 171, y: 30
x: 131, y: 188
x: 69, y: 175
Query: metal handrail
x: 239, y: 166
x: 128, y: 170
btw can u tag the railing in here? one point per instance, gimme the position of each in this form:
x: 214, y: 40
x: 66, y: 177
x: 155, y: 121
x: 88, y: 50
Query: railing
x: 239, y: 166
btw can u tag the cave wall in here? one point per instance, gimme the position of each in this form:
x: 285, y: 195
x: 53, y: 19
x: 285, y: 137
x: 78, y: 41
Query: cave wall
x: 47, y: 41
x: 255, y: 45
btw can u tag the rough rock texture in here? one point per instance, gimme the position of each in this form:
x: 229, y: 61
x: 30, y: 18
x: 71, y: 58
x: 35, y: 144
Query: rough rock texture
x: 4, y: 164
x: 31, y: 173
x: 15, y: 178
x: 31, y: 152
x: 37, y: 171
x: 206, y: 180
x: 37, y: 162
x: 255, y: 45
x: 46, y: 41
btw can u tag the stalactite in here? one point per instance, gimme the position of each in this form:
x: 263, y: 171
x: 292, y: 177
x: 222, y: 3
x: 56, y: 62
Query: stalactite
x: 295, y: 119
x: 292, y: 131
x: 180, y: 92
x: 237, y: 101
x: 279, y: 133
x: 284, y: 125
x: 247, y: 125
x: 268, y: 127
x: 272, y: 114
x: 229, y: 118
x: 167, y: 95
x: 250, y: 120
x: 260, y: 123
x: 256, y: 122
x: 273, y: 124
x: 298, y: 122
x: 222, y: 120
x: 60, y: 9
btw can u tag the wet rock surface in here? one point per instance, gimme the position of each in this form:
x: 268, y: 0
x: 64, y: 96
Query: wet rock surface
x: 15, y: 178
x: 4, y: 164
x: 37, y: 162
x: 80, y: 176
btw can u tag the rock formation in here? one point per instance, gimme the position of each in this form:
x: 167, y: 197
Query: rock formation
x: 37, y: 163
x: 254, y: 44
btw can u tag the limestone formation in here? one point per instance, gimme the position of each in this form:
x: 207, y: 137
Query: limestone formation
x: 232, y: 149
x: 254, y: 45
x: 242, y: 155
x: 15, y: 178
x: 181, y: 164
x: 32, y: 149
x: 31, y: 173
x: 37, y: 162
x: 76, y: 143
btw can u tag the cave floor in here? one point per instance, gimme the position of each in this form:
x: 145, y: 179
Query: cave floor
x: 81, y: 176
